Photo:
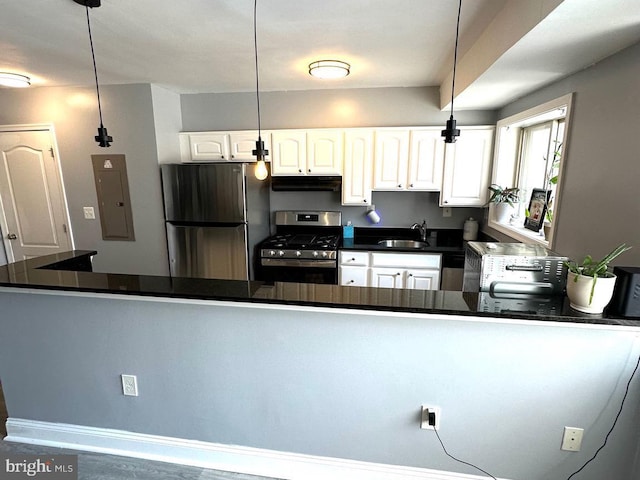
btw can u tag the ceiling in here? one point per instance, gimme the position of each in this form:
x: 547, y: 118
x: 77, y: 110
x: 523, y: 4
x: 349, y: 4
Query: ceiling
x: 507, y: 47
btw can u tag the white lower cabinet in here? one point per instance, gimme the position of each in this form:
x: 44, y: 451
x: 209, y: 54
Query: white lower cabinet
x: 420, y: 271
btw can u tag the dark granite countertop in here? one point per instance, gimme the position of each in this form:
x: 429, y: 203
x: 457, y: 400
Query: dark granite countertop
x: 69, y: 272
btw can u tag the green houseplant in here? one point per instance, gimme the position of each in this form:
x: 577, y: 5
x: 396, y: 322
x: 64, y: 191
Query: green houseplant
x: 590, y: 284
x: 504, y: 200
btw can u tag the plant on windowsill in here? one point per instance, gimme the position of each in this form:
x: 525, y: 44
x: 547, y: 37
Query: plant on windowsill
x: 590, y: 283
x: 504, y: 200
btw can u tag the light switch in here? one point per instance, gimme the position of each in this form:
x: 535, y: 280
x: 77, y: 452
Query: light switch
x: 89, y: 213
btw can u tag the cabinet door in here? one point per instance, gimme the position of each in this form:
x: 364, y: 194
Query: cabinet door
x: 418, y: 279
x: 426, y: 157
x: 467, y: 163
x: 353, y: 276
x: 208, y: 147
x: 358, y: 167
x: 243, y: 144
x: 387, y: 277
x: 391, y: 158
x: 289, y: 156
x: 324, y: 152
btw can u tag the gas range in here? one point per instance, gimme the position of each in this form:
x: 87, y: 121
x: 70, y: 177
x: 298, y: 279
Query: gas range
x: 303, y: 249
x: 301, y: 245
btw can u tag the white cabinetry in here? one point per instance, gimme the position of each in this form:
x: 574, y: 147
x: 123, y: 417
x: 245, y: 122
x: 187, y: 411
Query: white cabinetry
x: 302, y: 152
x: 358, y: 167
x: 391, y: 159
x: 390, y: 270
x: 467, y: 165
x: 408, y: 159
x: 426, y: 156
x: 220, y: 146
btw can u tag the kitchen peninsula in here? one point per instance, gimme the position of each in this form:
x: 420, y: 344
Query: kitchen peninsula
x: 309, y: 381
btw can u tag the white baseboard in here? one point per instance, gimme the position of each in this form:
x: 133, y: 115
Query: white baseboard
x: 247, y: 460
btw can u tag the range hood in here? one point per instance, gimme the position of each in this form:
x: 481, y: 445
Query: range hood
x: 306, y: 183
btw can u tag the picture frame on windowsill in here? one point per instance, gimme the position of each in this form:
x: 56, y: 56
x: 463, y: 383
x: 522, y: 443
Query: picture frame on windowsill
x: 537, y: 209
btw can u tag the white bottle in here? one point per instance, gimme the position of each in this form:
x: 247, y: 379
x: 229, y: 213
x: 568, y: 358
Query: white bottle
x: 470, y: 229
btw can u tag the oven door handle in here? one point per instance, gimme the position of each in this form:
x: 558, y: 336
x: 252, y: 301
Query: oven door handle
x: 292, y: 262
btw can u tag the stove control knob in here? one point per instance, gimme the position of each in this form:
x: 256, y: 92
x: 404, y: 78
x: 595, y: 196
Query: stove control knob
x: 272, y: 253
x: 315, y: 254
x: 281, y: 253
x: 298, y: 253
x: 325, y: 254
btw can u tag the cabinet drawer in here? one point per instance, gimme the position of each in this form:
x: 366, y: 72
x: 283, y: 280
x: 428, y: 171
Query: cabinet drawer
x: 353, y: 276
x: 348, y: 257
x: 412, y: 260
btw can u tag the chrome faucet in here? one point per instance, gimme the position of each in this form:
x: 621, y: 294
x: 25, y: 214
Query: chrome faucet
x: 422, y: 228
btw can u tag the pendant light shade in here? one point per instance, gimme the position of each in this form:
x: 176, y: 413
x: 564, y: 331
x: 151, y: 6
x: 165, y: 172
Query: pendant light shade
x: 14, y: 80
x: 103, y: 138
x: 451, y: 132
x: 328, y: 69
x: 260, y: 152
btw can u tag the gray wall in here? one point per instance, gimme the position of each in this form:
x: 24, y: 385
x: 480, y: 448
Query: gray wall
x: 347, y: 385
x: 374, y: 107
x: 128, y: 116
x: 600, y: 207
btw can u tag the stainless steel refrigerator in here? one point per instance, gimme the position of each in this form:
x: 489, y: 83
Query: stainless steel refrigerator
x: 215, y: 215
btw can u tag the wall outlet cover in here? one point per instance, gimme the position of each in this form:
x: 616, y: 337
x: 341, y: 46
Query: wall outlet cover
x: 129, y: 385
x: 572, y: 439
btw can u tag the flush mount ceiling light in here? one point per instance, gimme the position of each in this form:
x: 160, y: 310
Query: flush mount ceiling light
x: 451, y: 132
x: 329, y: 69
x: 103, y: 138
x: 260, y: 152
x: 14, y: 80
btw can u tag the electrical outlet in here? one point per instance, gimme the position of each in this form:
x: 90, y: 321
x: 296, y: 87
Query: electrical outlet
x: 446, y: 211
x: 572, y: 439
x: 129, y: 385
x: 430, y: 418
x: 89, y: 213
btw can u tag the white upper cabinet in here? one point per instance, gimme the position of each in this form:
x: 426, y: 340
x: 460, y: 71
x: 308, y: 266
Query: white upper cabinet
x: 302, y: 152
x: 408, y: 159
x: 289, y: 156
x: 426, y: 157
x: 242, y: 145
x: 357, y: 170
x: 391, y: 160
x: 467, y: 165
x: 221, y: 146
x: 324, y: 152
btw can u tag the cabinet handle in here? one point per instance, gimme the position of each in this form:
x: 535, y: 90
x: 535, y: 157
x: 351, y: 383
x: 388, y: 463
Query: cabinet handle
x: 446, y: 201
x: 351, y: 281
x: 365, y: 200
x: 397, y: 273
x: 309, y: 170
x: 232, y: 156
x: 411, y: 274
x: 12, y: 236
x: 353, y: 259
x: 400, y: 186
x: 299, y: 170
x: 221, y: 156
x: 411, y: 185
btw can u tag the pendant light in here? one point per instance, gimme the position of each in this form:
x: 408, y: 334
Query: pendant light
x: 103, y: 138
x: 261, y: 171
x: 451, y: 132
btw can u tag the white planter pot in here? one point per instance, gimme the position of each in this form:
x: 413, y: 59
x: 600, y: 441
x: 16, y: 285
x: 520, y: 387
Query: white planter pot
x: 579, y: 292
x: 503, y: 212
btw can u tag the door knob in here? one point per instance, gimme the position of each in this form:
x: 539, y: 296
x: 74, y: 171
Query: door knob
x: 12, y: 236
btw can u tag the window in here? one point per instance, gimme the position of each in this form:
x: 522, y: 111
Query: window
x: 528, y: 155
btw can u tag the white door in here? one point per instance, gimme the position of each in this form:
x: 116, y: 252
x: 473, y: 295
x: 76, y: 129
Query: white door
x: 391, y: 158
x: 33, y: 213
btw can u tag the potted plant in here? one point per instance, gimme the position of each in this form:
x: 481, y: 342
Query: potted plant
x: 503, y: 200
x: 590, y: 284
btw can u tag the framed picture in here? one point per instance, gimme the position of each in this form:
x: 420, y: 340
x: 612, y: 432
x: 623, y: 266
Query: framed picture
x: 537, y: 209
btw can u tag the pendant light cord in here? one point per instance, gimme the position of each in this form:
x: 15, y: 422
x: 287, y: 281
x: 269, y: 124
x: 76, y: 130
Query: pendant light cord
x: 95, y: 70
x: 255, y: 45
x: 455, y: 57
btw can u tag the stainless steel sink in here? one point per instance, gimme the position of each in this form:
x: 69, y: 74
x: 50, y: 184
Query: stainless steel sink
x: 403, y: 244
